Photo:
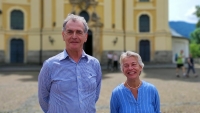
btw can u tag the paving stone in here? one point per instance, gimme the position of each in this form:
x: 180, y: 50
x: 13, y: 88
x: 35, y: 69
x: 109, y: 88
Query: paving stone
x: 18, y: 90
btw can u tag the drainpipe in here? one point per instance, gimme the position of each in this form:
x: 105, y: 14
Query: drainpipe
x: 123, y: 18
x: 41, y: 38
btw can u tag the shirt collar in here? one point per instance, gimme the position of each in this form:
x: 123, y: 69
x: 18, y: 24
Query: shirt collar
x: 64, y: 55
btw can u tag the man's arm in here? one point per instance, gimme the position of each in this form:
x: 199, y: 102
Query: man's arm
x: 98, y: 79
x: 44, y: 84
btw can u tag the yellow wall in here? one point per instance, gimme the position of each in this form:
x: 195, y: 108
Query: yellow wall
x: 113, y: 13
x: 2, y: 42
x: 131, y: 43
x: 8, y: 7
x: 163, y: 43
x: 57, y: 45
x: 99, y: 11
x: 33, y: 46
x: 67, y: 9
x: 53, y: 12
x: 124, y: 14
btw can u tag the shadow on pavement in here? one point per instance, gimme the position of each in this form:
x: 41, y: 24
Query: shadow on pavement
x: 169, y: 74
x: 23, y: 76
x: 154, y: 73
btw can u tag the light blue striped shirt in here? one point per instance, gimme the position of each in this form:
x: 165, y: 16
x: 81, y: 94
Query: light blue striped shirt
x: 123, y: 101
x: 65, y: 86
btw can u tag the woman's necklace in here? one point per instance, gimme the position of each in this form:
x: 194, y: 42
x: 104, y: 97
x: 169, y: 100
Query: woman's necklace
x: 133, y: 87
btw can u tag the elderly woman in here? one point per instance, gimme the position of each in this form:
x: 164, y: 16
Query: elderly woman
x: 134, y: 95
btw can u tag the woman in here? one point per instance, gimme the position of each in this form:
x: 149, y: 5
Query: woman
x: 134, y: 95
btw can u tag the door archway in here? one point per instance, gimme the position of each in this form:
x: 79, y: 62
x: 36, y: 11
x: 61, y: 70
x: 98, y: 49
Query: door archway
x: 16, y: 51
x: 145, y: 50
x: 88, y: 45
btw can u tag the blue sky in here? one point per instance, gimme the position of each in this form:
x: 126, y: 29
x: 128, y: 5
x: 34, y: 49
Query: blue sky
x: 183, y: 10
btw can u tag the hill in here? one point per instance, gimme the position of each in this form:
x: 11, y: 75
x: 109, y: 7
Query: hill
x: 183, y: 28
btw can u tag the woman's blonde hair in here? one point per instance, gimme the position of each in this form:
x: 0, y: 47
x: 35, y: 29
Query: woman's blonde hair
x: 130, y: 54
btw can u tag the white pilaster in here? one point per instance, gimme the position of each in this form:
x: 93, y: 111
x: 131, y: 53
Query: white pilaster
x: 162, y: 11
x: 107, y: 14
x: 35, y: 14
x: 59, y: 13
x: 166, y: 11
x: 118, y: 15
x: 47, y: 14
x: 1, y: 26
x: 129, y: 15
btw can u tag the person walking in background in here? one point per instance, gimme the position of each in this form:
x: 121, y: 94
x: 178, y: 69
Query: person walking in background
x: 109, y: 62
x: 115, y: 61
x: 190, y: 62
x: 70, y: 81
x: 180, y: 64
x: 134, y: 95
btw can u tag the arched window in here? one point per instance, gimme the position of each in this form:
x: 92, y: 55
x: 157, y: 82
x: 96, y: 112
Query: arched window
x: 17, y: 20
x: 144, y: 23
x: 85, y: 15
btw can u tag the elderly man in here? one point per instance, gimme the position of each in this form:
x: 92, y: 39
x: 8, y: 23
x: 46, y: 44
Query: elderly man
x: 70, y: 81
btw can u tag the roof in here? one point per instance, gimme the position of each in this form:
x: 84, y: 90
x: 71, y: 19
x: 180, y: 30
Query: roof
x: 174, y: 33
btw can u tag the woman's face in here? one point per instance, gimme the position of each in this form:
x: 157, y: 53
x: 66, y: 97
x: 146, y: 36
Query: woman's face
x: 131, y: 68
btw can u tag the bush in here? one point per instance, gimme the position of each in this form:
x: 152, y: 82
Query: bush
x: 195, y: 50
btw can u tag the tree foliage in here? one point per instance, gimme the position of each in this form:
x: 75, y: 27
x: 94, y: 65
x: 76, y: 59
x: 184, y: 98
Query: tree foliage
x: 197, y: 13
x: 195, y: 36
x: 195, y: 50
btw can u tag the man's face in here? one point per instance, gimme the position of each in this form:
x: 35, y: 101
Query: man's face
x: 74, y: 35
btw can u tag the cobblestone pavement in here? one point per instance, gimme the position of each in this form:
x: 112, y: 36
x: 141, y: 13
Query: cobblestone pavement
x: 18, y: 91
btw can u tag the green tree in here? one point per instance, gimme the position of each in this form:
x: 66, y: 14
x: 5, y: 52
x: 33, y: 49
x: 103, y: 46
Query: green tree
x: 195, y: 50
x: 195, y: 37
x: 197, y: 13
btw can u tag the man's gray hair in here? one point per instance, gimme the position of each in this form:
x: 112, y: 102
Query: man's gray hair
x: 75, y: 17
x: 130, y: 54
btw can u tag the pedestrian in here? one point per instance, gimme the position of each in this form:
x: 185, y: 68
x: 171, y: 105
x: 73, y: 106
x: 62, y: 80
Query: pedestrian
x: 190, y: 62
x: 70, y: 81
x: 115, y: 61
x: 180, y: 64
x: 109, y: 62
x: 134, y: 95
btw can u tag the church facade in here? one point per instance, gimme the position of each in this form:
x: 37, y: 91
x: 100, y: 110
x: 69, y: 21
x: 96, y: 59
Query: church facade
x: 30, y: 30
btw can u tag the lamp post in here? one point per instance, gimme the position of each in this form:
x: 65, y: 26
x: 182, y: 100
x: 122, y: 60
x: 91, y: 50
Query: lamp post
x: 1, y: 19
x: 123, y: 19
x: 41, y: 38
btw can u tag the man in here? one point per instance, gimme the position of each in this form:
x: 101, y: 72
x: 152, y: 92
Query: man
x: 115, y: 61
x: 109, y: 63
x: 190, y: 62
x: 180, y: 64
x: 70, y: 81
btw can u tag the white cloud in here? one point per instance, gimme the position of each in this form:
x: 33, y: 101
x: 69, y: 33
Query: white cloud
x: 182, y: 10
x: 190, y: 16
